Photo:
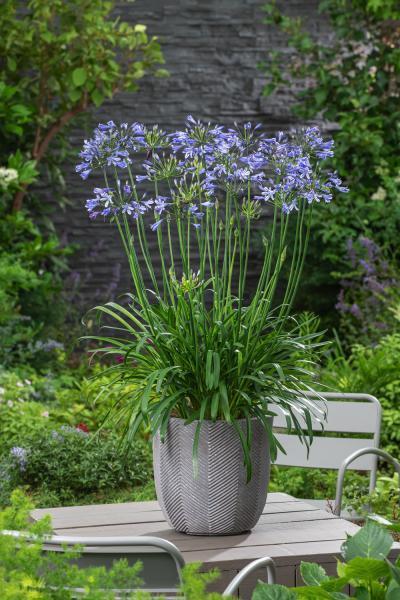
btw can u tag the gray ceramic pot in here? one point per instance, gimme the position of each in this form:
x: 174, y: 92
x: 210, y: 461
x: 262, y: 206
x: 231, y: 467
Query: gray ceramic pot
x: 218, y: 501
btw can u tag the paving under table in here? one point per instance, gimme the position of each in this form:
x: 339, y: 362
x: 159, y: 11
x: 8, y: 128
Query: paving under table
x: 290, y: 531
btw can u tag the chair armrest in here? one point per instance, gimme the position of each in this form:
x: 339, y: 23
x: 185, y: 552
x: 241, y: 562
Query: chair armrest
x: 266, y: 561
x: 347, y: 461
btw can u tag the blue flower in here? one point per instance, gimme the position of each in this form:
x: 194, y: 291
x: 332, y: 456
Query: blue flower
x: 156, y: 225
x: 20, y: 456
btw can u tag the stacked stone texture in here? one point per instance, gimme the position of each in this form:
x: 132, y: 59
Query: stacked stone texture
x: 212, y: 49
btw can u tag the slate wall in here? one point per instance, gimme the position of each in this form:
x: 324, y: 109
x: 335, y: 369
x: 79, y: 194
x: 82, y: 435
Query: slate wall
x: 211, y: 48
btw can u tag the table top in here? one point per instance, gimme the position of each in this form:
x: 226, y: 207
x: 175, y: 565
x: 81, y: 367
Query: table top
x: 289, y: 530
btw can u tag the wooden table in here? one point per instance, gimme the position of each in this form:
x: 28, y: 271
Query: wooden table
x: 290, y: 531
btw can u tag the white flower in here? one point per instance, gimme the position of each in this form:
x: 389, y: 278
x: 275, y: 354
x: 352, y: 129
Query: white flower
x: 10, y: 403
x: 45, y: 413
x: 28, y: 382
x: 380, y: 194
x: 2, y: 390
x: 7, y: 176
x: 19, y: 384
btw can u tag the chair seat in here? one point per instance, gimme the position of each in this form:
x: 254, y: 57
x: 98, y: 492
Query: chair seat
x: 328, y: 505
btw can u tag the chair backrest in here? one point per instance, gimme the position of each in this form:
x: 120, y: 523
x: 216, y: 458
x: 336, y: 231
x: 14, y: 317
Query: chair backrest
x: 355, y: 414
x: 161, y: 560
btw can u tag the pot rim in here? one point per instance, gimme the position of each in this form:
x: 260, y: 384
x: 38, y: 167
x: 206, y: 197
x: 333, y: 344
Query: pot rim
x: 253, y: 420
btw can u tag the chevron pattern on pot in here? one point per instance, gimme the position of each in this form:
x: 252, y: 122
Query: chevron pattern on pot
x: 218, y: 501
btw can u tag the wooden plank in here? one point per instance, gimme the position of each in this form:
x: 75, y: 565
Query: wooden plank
x: 325, y: 452
x: 342, y: 417
x: 118, y: 514
x: 264, y: 534
x: 148, y: 528
x: 268, y: 534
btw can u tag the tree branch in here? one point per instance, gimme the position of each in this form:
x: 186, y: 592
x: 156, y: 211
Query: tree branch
x: 41, y: 148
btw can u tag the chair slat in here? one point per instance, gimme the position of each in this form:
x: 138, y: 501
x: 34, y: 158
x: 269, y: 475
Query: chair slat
x: 342, y: 417
x: 325, y: 452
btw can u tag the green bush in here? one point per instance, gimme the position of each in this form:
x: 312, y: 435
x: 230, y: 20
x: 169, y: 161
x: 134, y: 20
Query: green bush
x: 351, y: 78
x: 55, y: 64
x: 67, y: 464
x: 373, y: 370
x: 28, y: 573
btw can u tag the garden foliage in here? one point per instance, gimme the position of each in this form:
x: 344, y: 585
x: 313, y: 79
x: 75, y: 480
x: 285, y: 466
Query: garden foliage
x: 352, y: 82
x: 68, y: 464
x: 27, y: 572
x: 57, y: 61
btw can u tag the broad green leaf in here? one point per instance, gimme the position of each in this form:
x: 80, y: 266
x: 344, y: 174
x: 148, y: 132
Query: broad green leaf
x: 74, y: 94
x: 312, y: 573
x: 393, y: 591
x: 366, y: 569
x: 264, y: 591
x: 79, y: 76
x: 372, y: 541
x: 395, y: 571
x: 317, y: 593
x: 97, y: 97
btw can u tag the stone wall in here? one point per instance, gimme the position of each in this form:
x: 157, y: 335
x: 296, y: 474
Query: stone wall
x: 212, y: 48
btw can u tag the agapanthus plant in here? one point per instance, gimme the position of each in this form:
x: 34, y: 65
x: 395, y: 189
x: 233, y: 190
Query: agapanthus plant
x: 192, y: 343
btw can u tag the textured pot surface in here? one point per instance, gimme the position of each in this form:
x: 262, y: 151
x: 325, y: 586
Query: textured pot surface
x: 218, y: 501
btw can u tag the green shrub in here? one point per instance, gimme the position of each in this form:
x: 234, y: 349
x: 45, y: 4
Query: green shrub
x: 67, y: 463
x: 372, y: 370
x: 350, y: 78
x: 31, y: 268
x: 28, y: 573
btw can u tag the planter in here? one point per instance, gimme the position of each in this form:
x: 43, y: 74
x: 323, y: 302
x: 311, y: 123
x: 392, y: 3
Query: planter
x: 218, y: 501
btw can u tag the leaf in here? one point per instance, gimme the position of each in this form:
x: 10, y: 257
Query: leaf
x: 97, y: 97
x: 11, y: 64
x: 265, y: 591
x: 217, y: 365
x: 79, y: 76
x: 372, y: 541
x: 312, y: 573
x: 74, y: 94
x: 393, y: 591
x: 225, y: 402
x: 209, y: 377
x: 214, y: 405
x: 395, y: 571
x: 366, y: 569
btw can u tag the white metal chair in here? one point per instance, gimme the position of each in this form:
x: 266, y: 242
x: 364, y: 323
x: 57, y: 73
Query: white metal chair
x: 237, y: 581
x: 161, y: 560
x: 353, y: 414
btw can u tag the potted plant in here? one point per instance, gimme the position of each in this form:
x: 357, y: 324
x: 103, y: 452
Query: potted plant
x: 206, y: 360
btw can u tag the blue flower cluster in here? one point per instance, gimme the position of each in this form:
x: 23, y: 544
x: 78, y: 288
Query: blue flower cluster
x: 191, y: 168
